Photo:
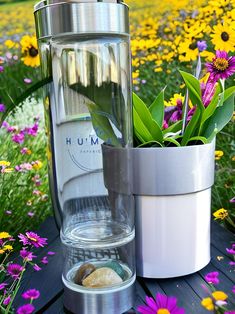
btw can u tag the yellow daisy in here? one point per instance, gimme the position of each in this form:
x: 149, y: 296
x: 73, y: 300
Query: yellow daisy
x: 30, y: 51
x: 4, y: 235
x: 4, y: 163
x: 188, y: 50
x: 223, y: 37
x: 220, y: 214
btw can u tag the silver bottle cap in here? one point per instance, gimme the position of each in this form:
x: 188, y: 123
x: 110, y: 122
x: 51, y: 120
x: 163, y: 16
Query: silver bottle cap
x: 63, y: 17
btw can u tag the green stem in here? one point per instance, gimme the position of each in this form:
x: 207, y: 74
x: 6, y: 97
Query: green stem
x: 16, y: 290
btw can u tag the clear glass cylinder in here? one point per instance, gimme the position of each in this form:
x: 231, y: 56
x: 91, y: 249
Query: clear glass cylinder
x: 91, y: 110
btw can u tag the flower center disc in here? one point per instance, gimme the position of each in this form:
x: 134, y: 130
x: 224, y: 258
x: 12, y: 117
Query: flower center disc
x: 221, y: 64
x: 163, y: 311
x: 225, y: 36
x: 32, y: 239
x: 33, y: 52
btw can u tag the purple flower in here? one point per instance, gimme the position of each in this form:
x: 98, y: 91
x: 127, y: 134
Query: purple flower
x: 143, y: 81
x: 232, y: 200
x: 18, y: 138
x: 177, y: 114
x: 31, y: 238
x: 232, y: 250
x: 32, y: 294
x: 212, y: 278
x: 162, y: 302
x: 8, y: 212
x: 230, y: 312
x: 3, y: 285
x: 24, y: 150
x: 5, y: 124
x: 25, y: 309
x: 221, y: 67
x: 33, y: 130
x: 201, y: 45
x: 36, y: 267
x: 27, y: 80
x: 50, y: 253
x: 44, y: 260
x: 208, y: 92
x: 26, y: 255
x: 2, y: 108
x: 14, y: 270
x: 233, y: 290
x: 1, y: 68
x: 31, y: 214
x: 7, y: 300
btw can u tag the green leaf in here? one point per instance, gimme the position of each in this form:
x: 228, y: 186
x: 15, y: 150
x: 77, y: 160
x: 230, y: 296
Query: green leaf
x: 191, y: 127
x: 12, y: 104
x: 157, y: 108
x: 219, y: 119
x: 172, y: 141
x: 174, y: 128
x: 140, y: 129
x: 217, y: 101
x: 150, y: 144
x: 194, y: 89
x: 104, y: 129
x: 143, y: 122
x: 198, y: 138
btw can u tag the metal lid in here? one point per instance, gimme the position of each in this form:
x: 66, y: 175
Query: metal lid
x: 59, y: 17
x: 44, y: 3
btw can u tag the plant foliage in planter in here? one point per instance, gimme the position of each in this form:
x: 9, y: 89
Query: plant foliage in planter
x: 207, y: 108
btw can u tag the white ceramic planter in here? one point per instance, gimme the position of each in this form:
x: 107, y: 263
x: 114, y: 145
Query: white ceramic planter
x: 172, y: 189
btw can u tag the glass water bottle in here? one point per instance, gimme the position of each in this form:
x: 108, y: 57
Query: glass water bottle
x: 85, y: 49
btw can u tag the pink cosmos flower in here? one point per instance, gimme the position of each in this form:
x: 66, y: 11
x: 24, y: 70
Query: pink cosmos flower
x: 44, y: 260
x: 212, y: 278
x: 222, y: 66
x: 232, y: 200
x: 31, y: 294
x: 162, y: 302
x: 5, y: 124
x: 26, y: 309
x: 18, y: 138
x: 24, y: 167
x: 24, y: 150
x: 26, y: 255
x: 14, y: 270
x: 50, y: 253
x: 36, y: 267
x: 232, y: 250
x: 32, y: 130
x: 7, y: 300
x: 2, y: 108
x: 27, y: 80
x: 31, y: 238
x: 3, y: 285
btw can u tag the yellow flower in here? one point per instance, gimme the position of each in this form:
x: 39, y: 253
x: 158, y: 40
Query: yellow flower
x: 208, y: 304
x: 188, y: 50
x: 30, y: 51
x: 2, y: 251
x: 173, y: 100
x: 218, y: 154
x: 9, y: 43
x: 4, y: 163
x: 223, y: 37
x: 4, y: 235
x: 7, y: 247
x: 220, y: 214
x: 233, y: 158
x: 219, y: 295
x: 37, y: 164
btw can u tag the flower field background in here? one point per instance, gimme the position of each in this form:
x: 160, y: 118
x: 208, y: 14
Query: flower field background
x: 165, y: 37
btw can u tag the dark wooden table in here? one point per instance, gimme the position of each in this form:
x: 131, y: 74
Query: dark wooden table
x: 187, y: 289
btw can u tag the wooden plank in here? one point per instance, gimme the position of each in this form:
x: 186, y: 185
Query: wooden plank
x: 221, y: 238
x: 178, y: 287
